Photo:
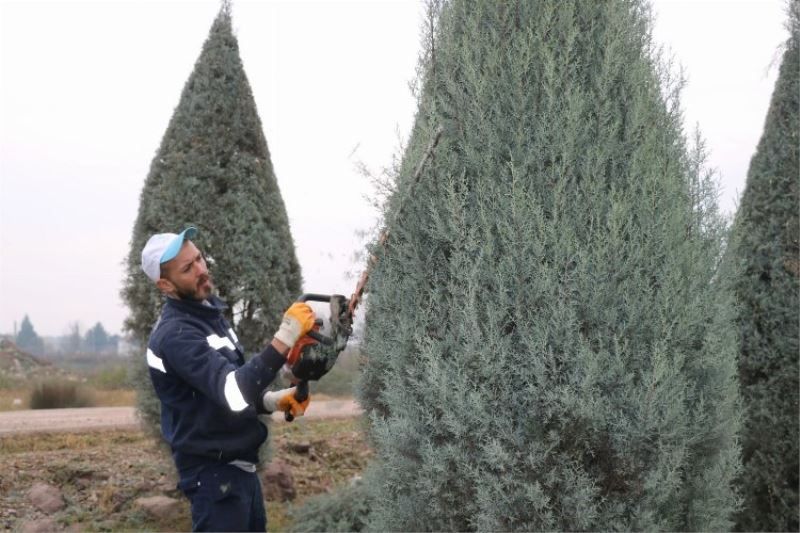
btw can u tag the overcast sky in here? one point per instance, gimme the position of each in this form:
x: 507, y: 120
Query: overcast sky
x: 88, y: 89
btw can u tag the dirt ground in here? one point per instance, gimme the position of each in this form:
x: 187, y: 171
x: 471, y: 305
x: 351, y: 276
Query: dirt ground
x: 102, y: 471
x: 87, y: 418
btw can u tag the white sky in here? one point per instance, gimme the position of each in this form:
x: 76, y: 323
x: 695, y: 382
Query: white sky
x: 88, y: 89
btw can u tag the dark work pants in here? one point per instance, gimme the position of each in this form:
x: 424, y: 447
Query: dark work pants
x: 226, y: 498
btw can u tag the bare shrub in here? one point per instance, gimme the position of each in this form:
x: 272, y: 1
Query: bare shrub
x: 59, y: 393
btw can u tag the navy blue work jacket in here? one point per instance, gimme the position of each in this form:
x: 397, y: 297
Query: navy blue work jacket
x: 210, y: 398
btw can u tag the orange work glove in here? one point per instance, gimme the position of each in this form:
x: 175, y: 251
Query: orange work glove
x: 297, y: 321
x: 284, y: 400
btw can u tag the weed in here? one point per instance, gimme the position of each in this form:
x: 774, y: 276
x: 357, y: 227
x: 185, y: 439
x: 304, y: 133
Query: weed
x: 59, y: 393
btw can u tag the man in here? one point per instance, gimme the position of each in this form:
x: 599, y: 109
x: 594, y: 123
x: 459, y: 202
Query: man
x: 210, y: 398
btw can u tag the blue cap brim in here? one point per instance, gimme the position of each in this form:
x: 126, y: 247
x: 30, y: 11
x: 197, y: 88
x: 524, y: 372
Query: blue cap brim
x: 175, y: 246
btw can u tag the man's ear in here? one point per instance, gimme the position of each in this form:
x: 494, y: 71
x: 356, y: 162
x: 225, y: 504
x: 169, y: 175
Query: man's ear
x: 165, y: 286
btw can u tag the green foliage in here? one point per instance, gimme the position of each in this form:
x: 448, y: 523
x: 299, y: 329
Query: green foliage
x: 58, y: 394
x: 341, y: 379
x: 27, y: 339
x: 346, y: 509
x: 546, y: 347
x: 766, y: 256
x: 213, y: 171
x: 111, y: 376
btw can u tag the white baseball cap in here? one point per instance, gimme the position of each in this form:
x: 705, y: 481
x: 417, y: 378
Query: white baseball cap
x: 162, y: 247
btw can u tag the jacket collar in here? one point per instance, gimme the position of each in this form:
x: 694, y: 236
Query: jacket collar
x: 197, y: 308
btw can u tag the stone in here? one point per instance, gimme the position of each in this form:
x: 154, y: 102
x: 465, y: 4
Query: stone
x: 277, y: 482
x: 46, y: 498
x: 166, y: 483
x: 41, y: 525
x: 144, y: 485
x: 161, y: 507
x: 300, y: 447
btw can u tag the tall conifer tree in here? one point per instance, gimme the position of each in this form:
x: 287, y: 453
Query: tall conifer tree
x: 766, y: 252
x: 27, y: 339
x: 213, y: 171
x: 544, y: 347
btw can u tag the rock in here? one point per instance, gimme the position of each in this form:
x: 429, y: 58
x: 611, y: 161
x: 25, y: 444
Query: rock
x: 166, y: 483
x: 39, y: 526
x: 300, y: 447
x: 144, y: 485
x: 17, y: 402
x: 159, y: 506
x: 46, y: 498
x: 278, y: 482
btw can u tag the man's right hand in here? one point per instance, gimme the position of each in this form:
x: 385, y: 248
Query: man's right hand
x: 284, y: 400
x: 297, y: 322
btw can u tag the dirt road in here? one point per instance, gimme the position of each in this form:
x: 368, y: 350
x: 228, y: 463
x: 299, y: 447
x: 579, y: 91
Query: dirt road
x: 30, y: 421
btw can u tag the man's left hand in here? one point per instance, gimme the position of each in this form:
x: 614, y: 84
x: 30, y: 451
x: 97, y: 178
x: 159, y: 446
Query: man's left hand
x: 297, y: 321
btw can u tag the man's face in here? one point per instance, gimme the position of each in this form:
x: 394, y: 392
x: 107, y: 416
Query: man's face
x: 186, y: 276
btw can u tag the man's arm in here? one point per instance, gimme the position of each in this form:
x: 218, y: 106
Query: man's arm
x: 198, y: 360
x: 203, y: 366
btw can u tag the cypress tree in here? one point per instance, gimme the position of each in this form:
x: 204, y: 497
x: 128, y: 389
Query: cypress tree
x: 546, y: 346
x: 27, y: 339
x: 766, y: 250
x: 213, y: 171
x: 97, y: 339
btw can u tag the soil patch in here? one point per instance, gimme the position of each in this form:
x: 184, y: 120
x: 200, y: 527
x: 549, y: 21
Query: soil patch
x: 101, y: 473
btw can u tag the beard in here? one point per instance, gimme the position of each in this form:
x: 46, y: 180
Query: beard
x: 198, y: 293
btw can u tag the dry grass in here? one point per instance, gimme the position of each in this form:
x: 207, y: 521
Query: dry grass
x: 100, y: 398
x: 8, y: 397
x: 68, y: 440
x: 114, y: 398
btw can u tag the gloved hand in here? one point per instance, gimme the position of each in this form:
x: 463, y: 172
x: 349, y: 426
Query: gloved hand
x: 284, y: 400
x: 297, y: 321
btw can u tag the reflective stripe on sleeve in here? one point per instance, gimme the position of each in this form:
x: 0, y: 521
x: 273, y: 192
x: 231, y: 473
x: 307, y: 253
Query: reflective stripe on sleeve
x: 232, y: 393
x: 154, y: 361
x: 233, y: 335
x: 217, y: 342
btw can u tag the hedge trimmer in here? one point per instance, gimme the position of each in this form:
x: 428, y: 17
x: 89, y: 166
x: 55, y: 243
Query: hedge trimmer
x: 312, y: 365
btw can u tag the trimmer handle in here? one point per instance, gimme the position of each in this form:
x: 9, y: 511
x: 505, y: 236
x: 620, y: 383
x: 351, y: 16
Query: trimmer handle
x: 316, y: 335
x: 300, y: 394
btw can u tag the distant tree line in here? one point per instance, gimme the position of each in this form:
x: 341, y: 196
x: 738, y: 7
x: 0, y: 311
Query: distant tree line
x: 96, y: 340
